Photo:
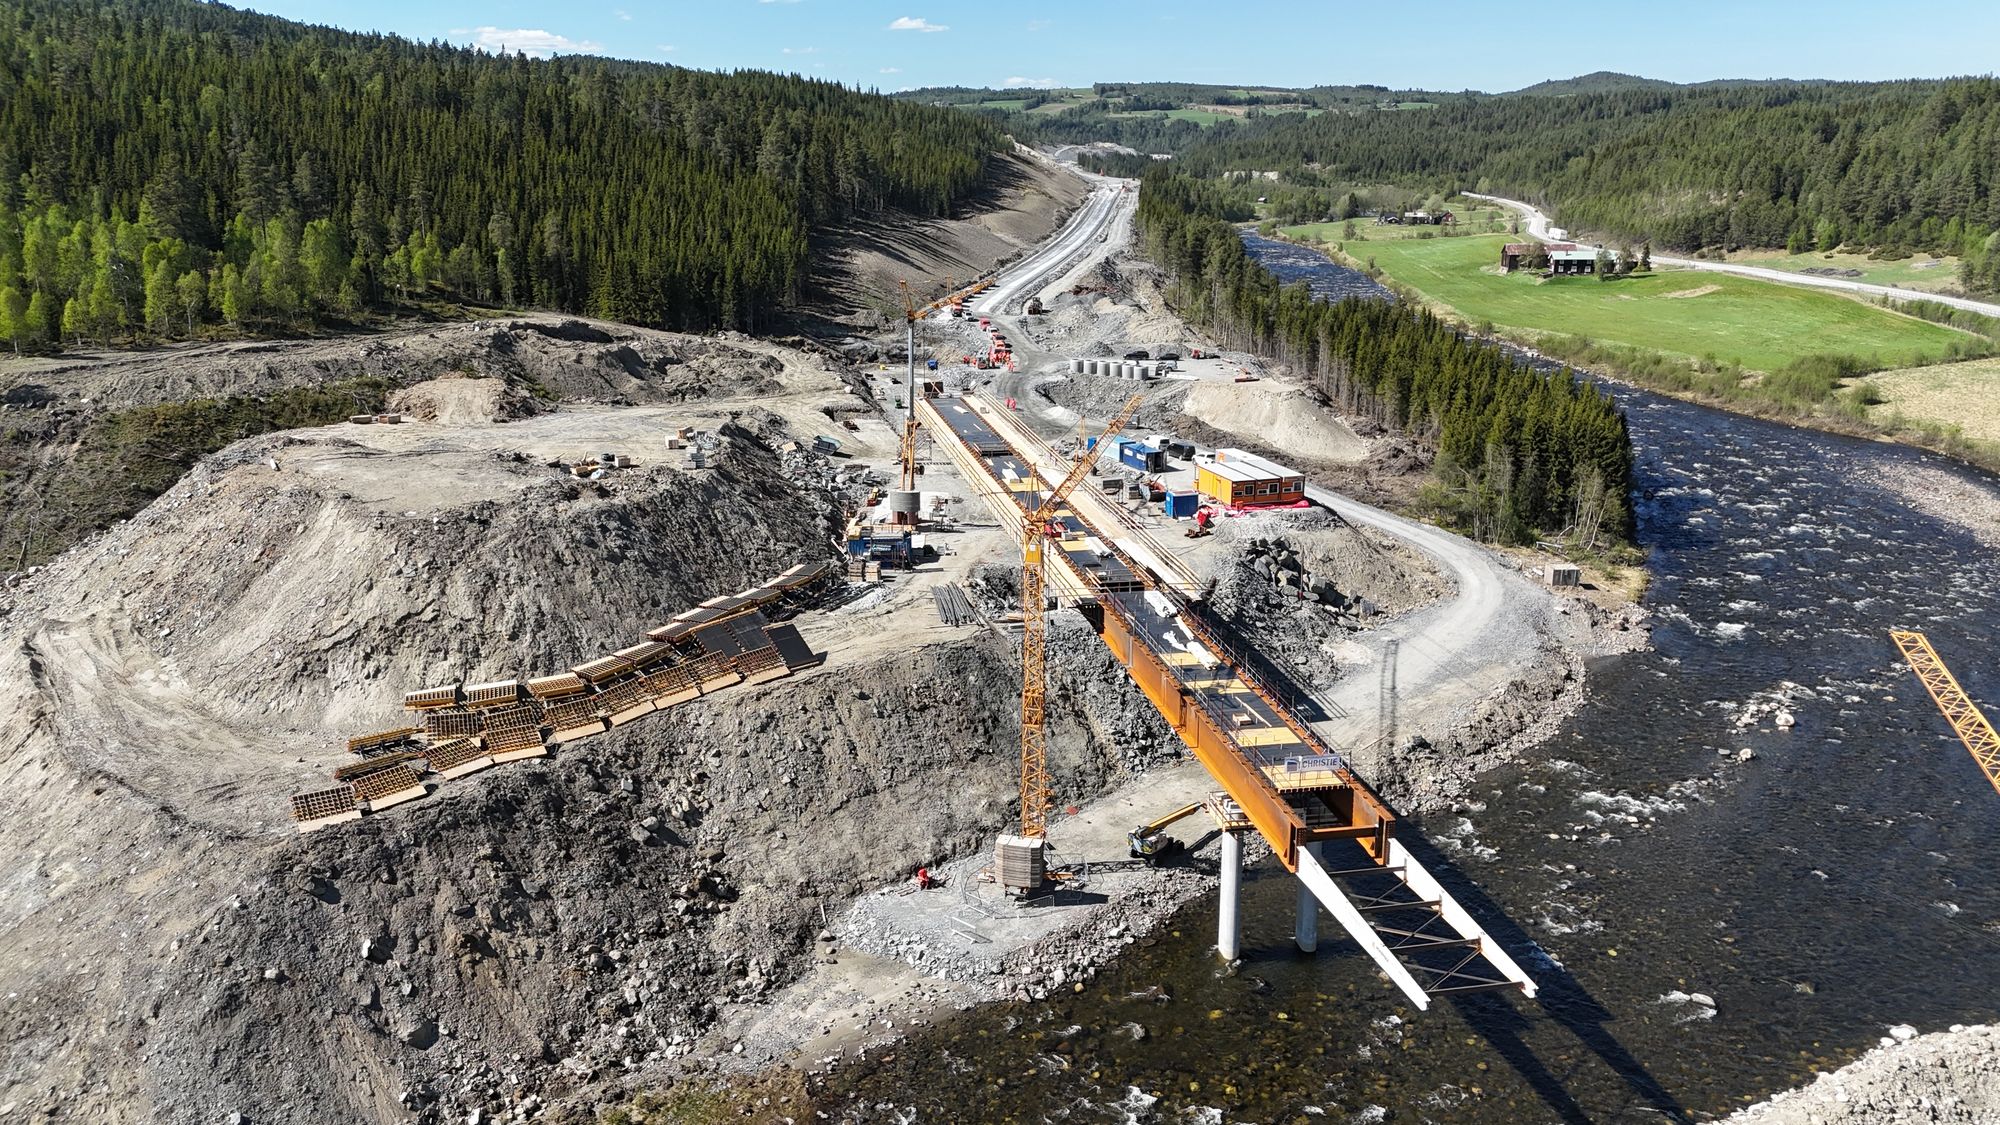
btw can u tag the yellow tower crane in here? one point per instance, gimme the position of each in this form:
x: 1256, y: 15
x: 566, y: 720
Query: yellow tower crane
x: 1022, y: 864
x: 1964, y: 716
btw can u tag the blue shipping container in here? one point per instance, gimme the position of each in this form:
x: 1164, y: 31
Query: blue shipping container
x: 1142, y: 457
x: 1182, y: 505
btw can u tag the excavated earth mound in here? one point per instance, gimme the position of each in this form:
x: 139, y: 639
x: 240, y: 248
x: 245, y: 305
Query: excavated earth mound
x: 537, y: 934
x: 1276, y: 415
x: 1298, y: 584
x: 463, y: 401
x: 94, y: 437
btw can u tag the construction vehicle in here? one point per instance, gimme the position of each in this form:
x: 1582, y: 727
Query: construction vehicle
x: 1021, y: 861
x: 1150, y: 841
x: 1034, y: 307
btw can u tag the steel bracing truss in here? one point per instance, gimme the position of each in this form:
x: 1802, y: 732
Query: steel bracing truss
x: 1965, y: 718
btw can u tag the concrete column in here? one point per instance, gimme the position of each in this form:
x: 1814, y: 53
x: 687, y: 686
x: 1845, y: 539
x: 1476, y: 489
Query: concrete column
x: 1305, y: 931
x: 1227, y: 933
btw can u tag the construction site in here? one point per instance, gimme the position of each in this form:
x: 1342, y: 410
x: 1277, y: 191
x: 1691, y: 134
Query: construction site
x: 502, y: 754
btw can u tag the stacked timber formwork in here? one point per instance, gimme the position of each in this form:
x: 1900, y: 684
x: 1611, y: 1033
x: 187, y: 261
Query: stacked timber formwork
x: 466, y: 728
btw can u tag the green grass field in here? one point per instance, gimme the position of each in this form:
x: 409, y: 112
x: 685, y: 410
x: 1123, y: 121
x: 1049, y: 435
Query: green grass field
x: 1921, y: 272
x: 1201, y: 117
x: 1760, y: 325
x: 1367, y: 232
x: 1965, y: 395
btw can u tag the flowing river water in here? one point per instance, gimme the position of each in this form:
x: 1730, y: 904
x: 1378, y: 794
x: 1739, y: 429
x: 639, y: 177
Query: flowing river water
x: 1836, y: 884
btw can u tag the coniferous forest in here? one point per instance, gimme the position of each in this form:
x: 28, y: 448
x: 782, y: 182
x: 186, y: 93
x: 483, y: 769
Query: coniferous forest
x: 167, y: 164
x: 1519, y: 452
x: 1897, y: 166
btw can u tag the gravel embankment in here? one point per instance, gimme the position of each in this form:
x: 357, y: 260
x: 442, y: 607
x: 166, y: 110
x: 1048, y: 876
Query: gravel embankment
x: 1944, y: 1078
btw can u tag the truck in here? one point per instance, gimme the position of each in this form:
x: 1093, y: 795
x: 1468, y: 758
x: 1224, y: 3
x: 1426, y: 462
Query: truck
x: 1034, y: 307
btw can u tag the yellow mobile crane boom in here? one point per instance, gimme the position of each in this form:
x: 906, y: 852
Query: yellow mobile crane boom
x: 1964, y: 716
x: 1035, y: 787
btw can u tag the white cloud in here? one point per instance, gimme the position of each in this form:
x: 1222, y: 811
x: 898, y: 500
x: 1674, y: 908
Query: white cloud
x: 916, y: 23
x: 622, y: 14
x: 666, y: 48
x: 890, y: 70
x: 1031, y: 84
x: 531, y: 41
x: 777, y: 1
x: 800, y: 50
x: 1038, y: 25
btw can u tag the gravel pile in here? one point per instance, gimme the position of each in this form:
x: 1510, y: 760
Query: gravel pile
x: 1947, y: 496
x: 1944, y: 1078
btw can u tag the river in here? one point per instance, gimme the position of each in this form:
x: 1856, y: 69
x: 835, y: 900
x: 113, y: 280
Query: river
x: 1832, y: 886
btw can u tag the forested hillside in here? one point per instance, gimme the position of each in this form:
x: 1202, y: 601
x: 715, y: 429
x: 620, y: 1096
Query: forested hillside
x: 1519, y: 452
x: 166, y: 164
x: 1896, y: 166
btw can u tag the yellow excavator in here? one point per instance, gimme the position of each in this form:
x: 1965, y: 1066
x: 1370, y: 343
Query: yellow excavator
x: 1150, y: 841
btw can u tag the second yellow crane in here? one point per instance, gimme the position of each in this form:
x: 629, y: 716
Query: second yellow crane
x: 1019, y: 869
x: 1966, y: 720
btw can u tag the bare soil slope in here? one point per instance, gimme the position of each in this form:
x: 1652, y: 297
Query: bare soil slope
x: 90, y: 438
x: 546, y: 930
x: 1026, y: 202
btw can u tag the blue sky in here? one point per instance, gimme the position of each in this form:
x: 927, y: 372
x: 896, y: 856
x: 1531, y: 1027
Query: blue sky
x: 1445, y: 44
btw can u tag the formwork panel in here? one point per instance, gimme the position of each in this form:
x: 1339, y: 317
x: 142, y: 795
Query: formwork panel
x: 500, y: 693
x: 367, y: 766
x: 452, y: 724
x: 389, y: 788
x: 670, y: 686
x: 638, y: 710
x: 325, y: 806
x: 646, y: 653
x: 762, y: 666
x: 582, y: 730
x: 601, y: 669
x: 424, y: 699
x: 559, y: 686
x: 577, y: 712
x: 623, y: 696
x: 458, y: 757
x: 380, y: 742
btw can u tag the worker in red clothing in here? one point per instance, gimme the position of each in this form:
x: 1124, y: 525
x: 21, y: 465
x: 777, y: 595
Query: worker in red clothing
x: 923, y: 878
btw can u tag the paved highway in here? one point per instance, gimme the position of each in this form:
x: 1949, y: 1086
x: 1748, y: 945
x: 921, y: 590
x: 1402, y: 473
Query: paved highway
x: 1448, y: 655
x: 1057, y: 256
x: 1542, y: 227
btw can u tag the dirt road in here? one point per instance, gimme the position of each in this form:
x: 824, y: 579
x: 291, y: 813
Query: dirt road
x: 1444, y: 657
x: 1542, y: 227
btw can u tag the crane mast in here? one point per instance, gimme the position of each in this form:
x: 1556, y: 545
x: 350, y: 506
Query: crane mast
x: 1036, y: 798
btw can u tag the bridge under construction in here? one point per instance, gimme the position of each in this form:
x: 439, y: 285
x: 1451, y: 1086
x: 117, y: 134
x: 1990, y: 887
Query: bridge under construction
x: 1277, y: 776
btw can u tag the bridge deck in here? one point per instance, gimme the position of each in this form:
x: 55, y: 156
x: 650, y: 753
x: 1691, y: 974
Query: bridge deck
x: 1290, y: 785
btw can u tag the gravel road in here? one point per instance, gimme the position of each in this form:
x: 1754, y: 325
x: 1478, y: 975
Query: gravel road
x: 1542, y: 227
x: 1452, y: 653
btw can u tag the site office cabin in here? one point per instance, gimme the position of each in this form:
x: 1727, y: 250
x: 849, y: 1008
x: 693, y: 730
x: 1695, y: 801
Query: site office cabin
x: 1244, y: 480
